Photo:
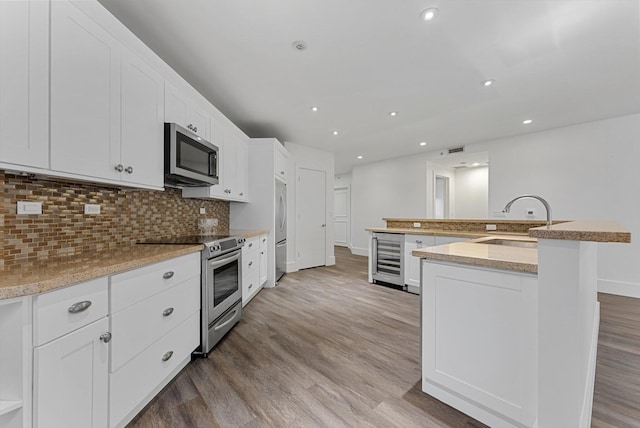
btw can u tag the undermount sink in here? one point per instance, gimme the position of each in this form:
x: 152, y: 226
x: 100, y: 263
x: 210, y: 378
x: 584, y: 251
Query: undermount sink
x: 510, y: 243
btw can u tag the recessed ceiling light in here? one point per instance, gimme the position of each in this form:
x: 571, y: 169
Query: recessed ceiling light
x: 475, y: 164
x: 299, y: 45
x: 393, y: 113
x: 359, y: 157
x: 335, y: 132
x: 314, y: 108
x: 489, y: 82
x: 423, y: 143
x: 429, y: 14
x: 527, y: 121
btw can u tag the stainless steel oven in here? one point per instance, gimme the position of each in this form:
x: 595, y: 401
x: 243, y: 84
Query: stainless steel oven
x: 221, y: 290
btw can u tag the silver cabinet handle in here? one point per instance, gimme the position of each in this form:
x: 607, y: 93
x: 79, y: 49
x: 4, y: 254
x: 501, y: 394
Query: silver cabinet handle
x: 80, y: 306
x: 323, y: 225
x: 241, y: 194
x: 167, y: 312
x: 250, y: 263
x: 119, y: 168
x: 282, y: 172
x: 167, y: 356
x: 418, y: 241
x: 250, y: 285
x: 129, y: 170
x: 264, y: 239
x: 250, y: 244
x: 106, y: 337
x: 261, y: 252
x: 168, y: 275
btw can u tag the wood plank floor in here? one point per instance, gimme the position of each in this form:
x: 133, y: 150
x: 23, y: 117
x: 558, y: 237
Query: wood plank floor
x: 327, y: 349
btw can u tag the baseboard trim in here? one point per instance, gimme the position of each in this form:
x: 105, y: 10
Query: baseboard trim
x: 331, y: 261
x: 360, y: 251
x: 620, y: 288
x: 291, y: 267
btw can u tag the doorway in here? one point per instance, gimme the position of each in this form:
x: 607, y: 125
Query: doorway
x: 311, y: 218
x: 441, y: 202
x: 341, y: 226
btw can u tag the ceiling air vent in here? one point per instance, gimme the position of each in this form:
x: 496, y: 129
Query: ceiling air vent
x: 456, y: 150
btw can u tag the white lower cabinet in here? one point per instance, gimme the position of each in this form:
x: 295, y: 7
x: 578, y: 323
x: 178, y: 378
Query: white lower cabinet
x: 133, y: 386
x: 155, y: 322
x: 70, y: 379
x: 250, y: 269
x: 103, y: 348
x: 263, y: 258
x: 411, y: 263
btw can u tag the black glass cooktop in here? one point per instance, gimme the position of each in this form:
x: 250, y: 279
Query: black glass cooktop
x: 191, y: 239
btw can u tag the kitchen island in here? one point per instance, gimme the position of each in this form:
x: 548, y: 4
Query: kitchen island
x: 509, y: 331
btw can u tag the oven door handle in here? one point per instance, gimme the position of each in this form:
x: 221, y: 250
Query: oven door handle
x: 229, y: 320
x: 216, y: 263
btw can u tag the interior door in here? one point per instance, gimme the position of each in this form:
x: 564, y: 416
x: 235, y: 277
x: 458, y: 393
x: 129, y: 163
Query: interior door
x: 311, y: 213
x: 341, y: 202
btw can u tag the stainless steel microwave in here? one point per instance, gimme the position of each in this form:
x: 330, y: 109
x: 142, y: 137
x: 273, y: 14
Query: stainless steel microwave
x: 189, y: 160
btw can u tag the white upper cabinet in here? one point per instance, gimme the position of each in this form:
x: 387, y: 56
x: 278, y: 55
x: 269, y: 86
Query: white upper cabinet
x: 85, y: 95
x: 24, y: 80
x: 280, y: 163
x: 186, y: 112
x: 142, y: 123
x: 233, y: 163
x: 106, y: 104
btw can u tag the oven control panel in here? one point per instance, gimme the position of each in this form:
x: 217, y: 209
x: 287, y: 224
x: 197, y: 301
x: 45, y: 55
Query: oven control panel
x: 222, y: 246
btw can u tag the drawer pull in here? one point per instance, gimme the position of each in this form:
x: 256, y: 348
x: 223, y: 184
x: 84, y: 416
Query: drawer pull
x: 250, y: 263
x: 106, y: 337
x: 80, y: 306
x: 250, y: 244
x: 167, y: 312
x: 167, y: 356
x: 168, y: 275
x: 250, y: 285
x: 418, y: 241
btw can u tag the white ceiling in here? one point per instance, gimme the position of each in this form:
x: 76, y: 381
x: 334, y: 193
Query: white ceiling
x: 558, y: 62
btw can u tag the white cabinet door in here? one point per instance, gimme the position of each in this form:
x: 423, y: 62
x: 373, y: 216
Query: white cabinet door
x: 411, y: 263
x: 181, y: 109
x: 242, y: 170
x: 280, y: 163
x: 24, y: 83
x: 85, y: 95
x: 229, y: 158
x: 263, y: 259
x: 142, y: 153
x: 70, y: 386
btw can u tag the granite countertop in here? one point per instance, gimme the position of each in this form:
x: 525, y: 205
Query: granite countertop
x: 248, y: 233
x: 42, y: 275
x: 476, y: 253
x: 596, y: 231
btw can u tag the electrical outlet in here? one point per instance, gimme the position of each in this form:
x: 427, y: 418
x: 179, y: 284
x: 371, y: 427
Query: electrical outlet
x: 24, y: 207
x: 531, y: 212
x: 214, y: 222
x: 92, y: 209
x: 417, y: 224
x: 491, y: 227
x: 203, y: 210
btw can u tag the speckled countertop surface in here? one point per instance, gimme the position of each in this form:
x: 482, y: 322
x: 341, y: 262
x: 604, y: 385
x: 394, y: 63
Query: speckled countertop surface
x: 597, y: 231
x: 474, y: 252
x: 421, y: 231
x: 41, y: 275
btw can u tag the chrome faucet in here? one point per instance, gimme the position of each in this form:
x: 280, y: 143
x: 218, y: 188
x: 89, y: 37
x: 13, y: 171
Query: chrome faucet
x: 507, y: 207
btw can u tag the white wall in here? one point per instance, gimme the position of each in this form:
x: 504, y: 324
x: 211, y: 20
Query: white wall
x: 342, y: 180
x: 585, y: 171
x: 393, y: 188
x: 472, y: 192
x: 306, y: 157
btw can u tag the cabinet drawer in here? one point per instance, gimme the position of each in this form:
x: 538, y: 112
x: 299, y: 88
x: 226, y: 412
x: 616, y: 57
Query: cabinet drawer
x: 280, y: 162
x: 136, y: 285
x: 130, y: 386
x: 250, y: 275
x: 250, y: 244
x: 139, y: 325
x: 61, y: 311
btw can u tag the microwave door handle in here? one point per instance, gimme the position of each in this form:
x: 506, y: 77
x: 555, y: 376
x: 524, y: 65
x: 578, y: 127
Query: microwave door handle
x: 218, y: 263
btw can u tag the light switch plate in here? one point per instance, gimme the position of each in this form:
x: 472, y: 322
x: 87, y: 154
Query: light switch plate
x: 25, y: 207
x: 92, y: 209
x: 417, y: 224
x: 491, y: 227
x: 203, y: 210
